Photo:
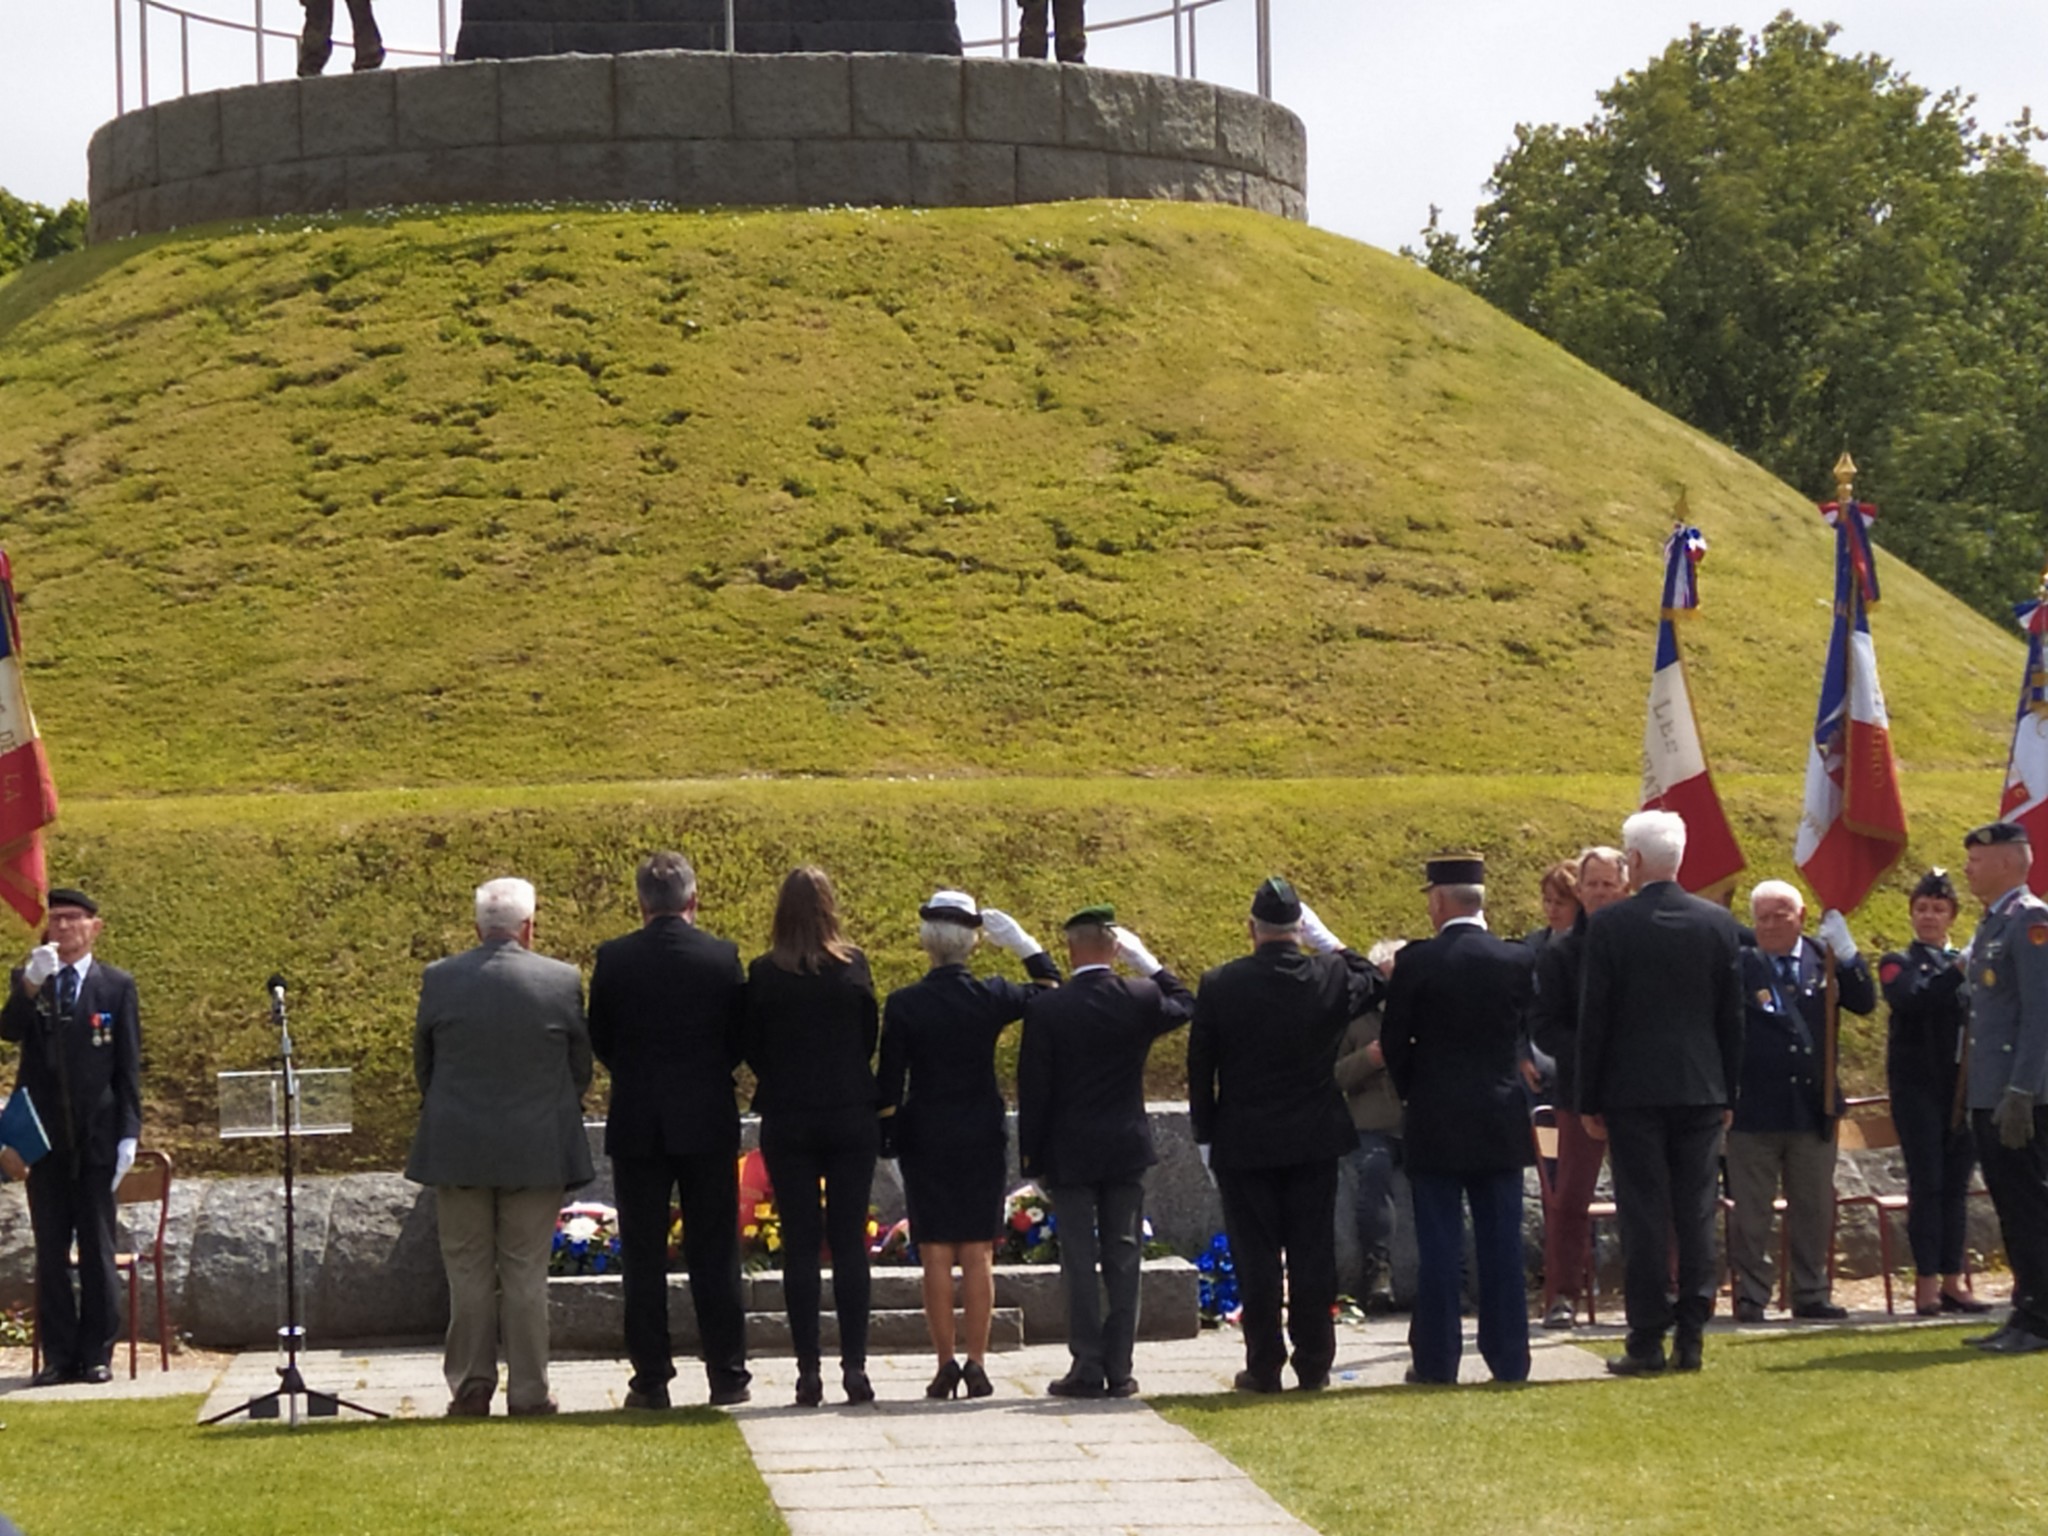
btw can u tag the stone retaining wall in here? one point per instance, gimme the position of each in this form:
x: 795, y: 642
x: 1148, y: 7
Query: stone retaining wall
x: 694, y: 129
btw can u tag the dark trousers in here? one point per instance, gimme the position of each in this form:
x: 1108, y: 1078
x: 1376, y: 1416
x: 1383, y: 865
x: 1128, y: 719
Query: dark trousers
x: 316, y: 42
x: 1070, y: 31
x: 1102, y: 1233
x: 1374, y: 1160
x: 832, y: 1150
x: 1664, y: 1161
x: 1433, y: 1331
x: 1284, y: 1216
x: 705, y: 1186
x: 2018, y: 1181
x: 1939, y: 1160
x: 1567, y: 1230
x: 72, y: 1201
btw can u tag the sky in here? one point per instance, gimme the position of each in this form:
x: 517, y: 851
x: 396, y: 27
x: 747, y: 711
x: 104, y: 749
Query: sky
x: 1407, y: 104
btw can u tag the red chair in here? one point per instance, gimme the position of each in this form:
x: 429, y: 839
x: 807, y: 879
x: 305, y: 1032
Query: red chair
x: 149, y: 1180
x: 1873, y: 1133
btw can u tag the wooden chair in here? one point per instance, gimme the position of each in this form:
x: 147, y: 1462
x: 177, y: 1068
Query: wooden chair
x: 1870, y: 1131
x: 148, y: 1181
x: 1543, y: 1131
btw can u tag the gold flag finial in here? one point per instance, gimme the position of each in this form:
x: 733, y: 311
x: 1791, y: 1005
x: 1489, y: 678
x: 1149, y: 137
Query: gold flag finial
x: 1845, y: 477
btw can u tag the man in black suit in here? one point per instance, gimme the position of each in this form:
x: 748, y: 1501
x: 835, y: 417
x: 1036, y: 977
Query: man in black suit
x: 1271, y: 1123
x: 1452, y: 1041
x: 1083, y: 1134
x: 81, y: 1062
x: 1783, y: 1134
x: 1660, y: 1055
x: 665, y: 1012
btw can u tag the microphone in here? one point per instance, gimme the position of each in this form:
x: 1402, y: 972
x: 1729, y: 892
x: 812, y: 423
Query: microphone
x: 276, y: 986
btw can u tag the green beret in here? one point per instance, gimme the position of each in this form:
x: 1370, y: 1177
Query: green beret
x: 1275, y: 904
x: 1101, y: 915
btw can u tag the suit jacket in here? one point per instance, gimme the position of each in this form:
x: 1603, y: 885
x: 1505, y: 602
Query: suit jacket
x: 665, y: 1011
x: 1081, y: 1075
x: 83, y: 1071
x: 1452, y: 1040
x: 1784, y: 1036
x: 1930, y: 1011
x: 502, y: 1056
x: 939, y: 1036
x: 1554, y: 1007
x: 1262, y: 1055
x: 810, y: 1037
x: 1660, y: 1004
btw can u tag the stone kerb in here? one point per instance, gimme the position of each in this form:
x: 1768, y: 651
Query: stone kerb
x: 694, y: 129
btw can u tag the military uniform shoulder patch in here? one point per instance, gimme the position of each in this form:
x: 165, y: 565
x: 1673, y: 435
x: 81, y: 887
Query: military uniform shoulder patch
x: 2037, y: 933
x: 1889, y: 971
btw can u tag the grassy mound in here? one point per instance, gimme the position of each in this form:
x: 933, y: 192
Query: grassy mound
x: 1126, y: 550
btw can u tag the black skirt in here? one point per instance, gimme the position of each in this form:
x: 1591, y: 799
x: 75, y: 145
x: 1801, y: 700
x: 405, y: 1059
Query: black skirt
x: 954, y: 1194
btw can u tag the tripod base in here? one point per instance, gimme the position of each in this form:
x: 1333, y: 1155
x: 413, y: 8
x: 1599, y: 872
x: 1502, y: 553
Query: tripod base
x: 271, y: 1405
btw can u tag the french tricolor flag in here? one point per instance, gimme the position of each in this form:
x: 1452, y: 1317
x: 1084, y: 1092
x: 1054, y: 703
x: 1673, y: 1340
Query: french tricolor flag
x: 1675, y: 774
x: 28, y: 796
x: 2026, y: 769
x: 1853, y: 826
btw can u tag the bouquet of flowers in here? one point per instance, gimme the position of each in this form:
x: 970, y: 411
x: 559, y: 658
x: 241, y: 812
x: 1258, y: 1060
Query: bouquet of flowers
x: 1029, y: 1234
x: 893, y: 1246
x: 760, y: 1236
x: 1218, y: 1283
x: 586, y: 1241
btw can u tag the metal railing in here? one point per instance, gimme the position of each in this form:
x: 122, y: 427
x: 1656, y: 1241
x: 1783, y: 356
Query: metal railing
x: 1182, y: 14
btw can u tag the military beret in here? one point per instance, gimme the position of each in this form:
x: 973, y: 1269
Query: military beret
x: 1935, y: 885
x: 1995, y: 832
x: 72, y: 896
x: 1101, y: 915
x: 1274, y: 903
x: 1454, y: 869
x: 951, y: 907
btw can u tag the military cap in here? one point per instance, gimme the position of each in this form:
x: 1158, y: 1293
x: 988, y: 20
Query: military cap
x: 1454, y: 869
x: 1101, y: 915
x: 951, y: 907
x: 1995, y: 832
x: 72, y: 896
x: 1275, y: 904
x: 1935, y: 885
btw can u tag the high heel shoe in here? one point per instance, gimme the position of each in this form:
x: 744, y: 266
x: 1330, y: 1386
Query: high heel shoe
x: 945, y: 1385
x: 975, y: 1379
x: 1966, y: 1304
x: 810, y: 1388
x: 858, y: 1388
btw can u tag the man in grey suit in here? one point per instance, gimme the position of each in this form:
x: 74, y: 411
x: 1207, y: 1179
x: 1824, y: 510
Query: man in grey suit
x: 502, y: 1055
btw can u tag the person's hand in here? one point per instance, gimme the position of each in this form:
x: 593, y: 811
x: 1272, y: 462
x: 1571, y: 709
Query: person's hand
x: 12, y: 1165
x: 1834, y: 932
x: 1132, y: 951
x: 1374, y: 1055
x: 1005, y: 931
x: 1530, y: 1075
x: 2014, y: 1119
x: 42, y: 965
x: 124, y: 1158
x: 1596, y: 1126
x: 1315, y: 935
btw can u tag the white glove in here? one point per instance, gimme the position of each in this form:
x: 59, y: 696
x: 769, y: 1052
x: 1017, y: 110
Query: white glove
x: 1132, y: 951
x: 1834, y: 932
x: 42, y: 965
x: 1006, y: 931
x: 1315, y: 936
x: 124, y: 1158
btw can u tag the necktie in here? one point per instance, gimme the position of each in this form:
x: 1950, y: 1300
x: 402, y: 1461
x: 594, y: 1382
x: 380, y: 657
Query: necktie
x: 1788, y: 973
x: 67, y: 990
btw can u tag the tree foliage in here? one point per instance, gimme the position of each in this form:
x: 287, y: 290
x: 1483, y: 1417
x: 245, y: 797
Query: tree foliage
x: 33, y: 232
x: 1800, y: 251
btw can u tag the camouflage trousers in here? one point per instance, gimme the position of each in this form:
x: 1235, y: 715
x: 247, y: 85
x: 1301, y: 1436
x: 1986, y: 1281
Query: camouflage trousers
x: 1070, y: 37
x: 316, y: 42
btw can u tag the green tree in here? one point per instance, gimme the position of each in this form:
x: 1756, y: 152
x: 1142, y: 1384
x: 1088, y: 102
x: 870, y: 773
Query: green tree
x: 32, y: 232
x: 1798, y: 250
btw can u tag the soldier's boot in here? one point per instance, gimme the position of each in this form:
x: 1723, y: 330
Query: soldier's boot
x: 1070, y: 28
x: 369, y: 41
x: 1379, y: 1284
x: 316, y: 40
x: 1031, y: 30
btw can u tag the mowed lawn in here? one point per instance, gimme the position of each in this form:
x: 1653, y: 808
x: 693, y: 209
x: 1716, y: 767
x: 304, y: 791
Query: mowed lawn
x: 1900, y: 1431
x: 146, y: 1469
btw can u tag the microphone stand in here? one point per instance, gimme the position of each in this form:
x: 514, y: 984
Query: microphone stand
x: 291, y: 1386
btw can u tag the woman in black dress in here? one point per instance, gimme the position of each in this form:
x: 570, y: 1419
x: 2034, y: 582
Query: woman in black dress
x: 1929, y: 1012
x: 810, y: 1038
x: 943, y: 1116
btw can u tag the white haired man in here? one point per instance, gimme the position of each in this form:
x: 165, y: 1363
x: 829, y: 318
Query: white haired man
x: 502, y: 1055
x: 1660, y: 1054
x: 1782, y: 1133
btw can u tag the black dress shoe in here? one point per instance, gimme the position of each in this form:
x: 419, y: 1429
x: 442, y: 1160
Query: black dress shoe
x: 1637, y: 1365
x: 1687, y: 1355
x: 1415, y: 1378
x: 654, y: 1400
x: 731, y: 1395
x: 1249, y: 1380
x: 1968, y: 1305
x: 854, y: 1380
x: 96, y: 1375
x: 2017, y: 1341
x: 1749, y: 1311
x: 1314, y: 1381
x: 52, y: 1376
x: 1820, y: 1312
x: 1986, y: 1340
x: 810, y: 1388
x: 1128, y: 1387
x: 1070, y: 1385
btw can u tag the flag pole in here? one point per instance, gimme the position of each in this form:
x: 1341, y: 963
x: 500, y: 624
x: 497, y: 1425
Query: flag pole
x: 1845, y: 487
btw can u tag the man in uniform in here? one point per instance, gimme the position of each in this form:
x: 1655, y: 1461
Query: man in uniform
x: 1070, y: 31
x: 1083, y: 1134
x: 1783, y: 1133
x: 1660, y: 1055
x: 81, y: 1062
x: 665, y: 1013
x: 1270, y: 1123
x: 1454, y: 1019
x: 316, y: 42
x: 2008, y: 1070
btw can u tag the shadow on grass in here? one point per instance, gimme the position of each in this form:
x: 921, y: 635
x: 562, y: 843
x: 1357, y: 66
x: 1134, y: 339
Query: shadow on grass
x: 611, y: 1422
x: 1878, y: 1361
x: 1236, y: 1402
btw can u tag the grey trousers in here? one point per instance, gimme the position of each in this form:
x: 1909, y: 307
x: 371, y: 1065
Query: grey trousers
x: 1101, y: 1224
x: 494, y: 1246
x: 1758, y: 1163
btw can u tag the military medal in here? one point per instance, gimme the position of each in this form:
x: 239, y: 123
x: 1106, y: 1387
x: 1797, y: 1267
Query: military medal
x: 1989, y: 978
